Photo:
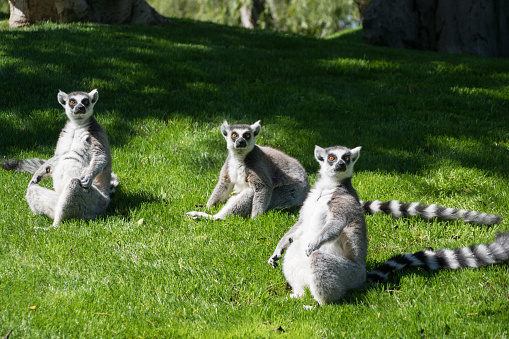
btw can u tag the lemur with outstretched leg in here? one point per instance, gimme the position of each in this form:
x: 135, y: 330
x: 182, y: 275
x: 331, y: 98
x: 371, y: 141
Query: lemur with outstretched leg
x: 264, y: 178
x: 80, y: 168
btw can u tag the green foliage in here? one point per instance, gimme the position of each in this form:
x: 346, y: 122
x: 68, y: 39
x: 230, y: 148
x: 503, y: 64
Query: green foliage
x: 222, y: 12
x: 314, y: 18
x: 4, y: 6
x: 433, y: 128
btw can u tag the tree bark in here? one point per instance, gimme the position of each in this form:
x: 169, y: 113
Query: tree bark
x: 251, y: 11
x: 28, y: 12
x: 474, y: 27
x: 362, y: 5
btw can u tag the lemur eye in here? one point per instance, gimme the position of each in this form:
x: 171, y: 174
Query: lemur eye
x: 85, y: 101
x: 234, y: 135
x: 247, y: 136
x: 332, y: 158
x: 72, y: 102
x: 347, y: 158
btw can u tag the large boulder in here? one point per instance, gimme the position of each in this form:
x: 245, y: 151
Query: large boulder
x: 28, y: 12
x: 476, y: 27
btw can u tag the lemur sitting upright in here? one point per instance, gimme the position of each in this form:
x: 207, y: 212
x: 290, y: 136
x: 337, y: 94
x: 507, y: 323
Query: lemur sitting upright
x: 81, y: 167
x: 326, y: 249
x: 264, y: 178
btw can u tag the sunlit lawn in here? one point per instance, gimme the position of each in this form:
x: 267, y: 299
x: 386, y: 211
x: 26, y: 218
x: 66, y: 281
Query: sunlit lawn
x: 433, y: 127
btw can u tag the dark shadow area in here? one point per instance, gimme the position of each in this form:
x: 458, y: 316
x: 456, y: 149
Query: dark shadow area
x: 123, y: 202
x: 210, y: 72
x: 390, y: 286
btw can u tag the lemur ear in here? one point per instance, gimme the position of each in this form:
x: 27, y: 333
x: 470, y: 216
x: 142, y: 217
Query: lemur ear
x: 256, y: 127
x: 224, y: 128
x: 319, y: 154
x: 62, y: 97
x: 356, y: 153
x: 94, y: 95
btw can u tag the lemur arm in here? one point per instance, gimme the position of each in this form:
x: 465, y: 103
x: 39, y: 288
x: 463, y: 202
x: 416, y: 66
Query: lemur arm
x: 263, y: 188
x: 284, y: 243
x: 331, y: 231
x: 97, y: 164
x: 223, y: 187
x: 44, y: 171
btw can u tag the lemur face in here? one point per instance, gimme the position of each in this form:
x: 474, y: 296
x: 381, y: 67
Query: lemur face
x: 337, y: 161
x: 240, y: 138
x: 79, y: 106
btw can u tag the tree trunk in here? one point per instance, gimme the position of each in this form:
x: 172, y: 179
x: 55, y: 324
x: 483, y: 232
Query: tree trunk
x: 475, y: 27
x: 27, y: 12
x: 362, y: 5
x: 251, y: 11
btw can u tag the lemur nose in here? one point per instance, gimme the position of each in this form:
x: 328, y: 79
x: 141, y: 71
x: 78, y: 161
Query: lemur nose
x: 340, y: 165
x: 241, y: 142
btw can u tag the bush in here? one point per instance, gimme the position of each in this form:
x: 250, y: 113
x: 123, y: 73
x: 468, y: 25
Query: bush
x: 309, y: 17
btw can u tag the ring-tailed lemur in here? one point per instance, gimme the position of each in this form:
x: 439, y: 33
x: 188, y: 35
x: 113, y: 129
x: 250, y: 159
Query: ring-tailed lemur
x: 474, y: 256
x: 81, y: 167
x: 264, y: 178
x: 401, y: 209
x: 326, y: 249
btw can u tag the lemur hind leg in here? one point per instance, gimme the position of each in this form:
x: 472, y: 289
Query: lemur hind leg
x: 42, y: 200
x: 296, y: 270
x: 333, y: 275
x: 239, y: 204
x: 287, y: 196
x: 77, y: 201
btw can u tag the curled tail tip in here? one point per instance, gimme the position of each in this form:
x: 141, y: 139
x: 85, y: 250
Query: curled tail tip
x: 114, y: 182
x: 503, y: 239
x: 496, y: 219
x: 375, y: 278
x: 486, y: 221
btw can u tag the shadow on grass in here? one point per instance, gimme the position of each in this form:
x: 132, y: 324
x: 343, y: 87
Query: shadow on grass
x: 391, y: 286
x: 336, y: 91
x: 122, y: 202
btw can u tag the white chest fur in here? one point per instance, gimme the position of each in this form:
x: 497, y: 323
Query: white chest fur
x: 73, y: 152
x: 237, y: 173
x: 314, y: 212
x: 313, y: 215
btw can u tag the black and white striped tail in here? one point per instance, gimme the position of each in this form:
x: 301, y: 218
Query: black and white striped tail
x: 474, y: 256
x: 27, y: 165
x: 113, y: 183
x: 400, y: 209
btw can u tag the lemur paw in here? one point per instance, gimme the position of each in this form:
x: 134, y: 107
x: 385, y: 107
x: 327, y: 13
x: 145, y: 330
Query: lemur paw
x: 198, y: 215
x: 311, y: 248
x: 86, y: 182
x: 273, y: 260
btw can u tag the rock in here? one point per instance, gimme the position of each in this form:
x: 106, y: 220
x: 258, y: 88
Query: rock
x: 475, y: 27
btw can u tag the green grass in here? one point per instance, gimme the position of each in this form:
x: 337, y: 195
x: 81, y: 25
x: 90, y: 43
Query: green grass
x: 433, y: 127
